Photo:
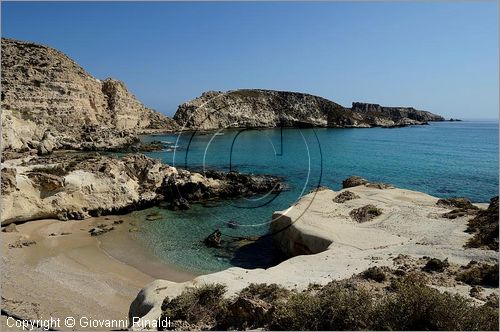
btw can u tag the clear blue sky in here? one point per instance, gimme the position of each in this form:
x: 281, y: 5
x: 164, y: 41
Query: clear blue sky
x: 442, y: 57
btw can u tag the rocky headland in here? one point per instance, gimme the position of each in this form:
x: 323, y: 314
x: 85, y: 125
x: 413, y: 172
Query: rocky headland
x: 49, y: 102
x: 268, y: 108
x: 80, y: 186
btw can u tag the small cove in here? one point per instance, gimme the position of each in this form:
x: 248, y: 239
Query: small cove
x: 442, y: 159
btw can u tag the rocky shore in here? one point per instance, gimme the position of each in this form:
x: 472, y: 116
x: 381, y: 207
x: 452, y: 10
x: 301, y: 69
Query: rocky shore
x: 56, y: 118
x: 333, y: 236
x: 78, y: 186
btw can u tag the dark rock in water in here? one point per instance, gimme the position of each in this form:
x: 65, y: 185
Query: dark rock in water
x: 365, y: 213
x: 485, y: 227
x: 214, y: 239
x: 185, y: 187
x: 153, y: 216
x: 345, y: 196
x: 353, y: 181
x: 232, y: 224
x: 458, y: 202
x: 180, y: 204
x: 152, y: 146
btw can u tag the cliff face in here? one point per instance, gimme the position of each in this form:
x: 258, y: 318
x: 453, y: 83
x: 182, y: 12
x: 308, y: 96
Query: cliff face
x: 396, y: 113
x: 266, y: 108
x: 44, y: 88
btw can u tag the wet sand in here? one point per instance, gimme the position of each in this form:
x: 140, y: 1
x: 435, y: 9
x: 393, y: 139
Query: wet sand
x: 76, y: 274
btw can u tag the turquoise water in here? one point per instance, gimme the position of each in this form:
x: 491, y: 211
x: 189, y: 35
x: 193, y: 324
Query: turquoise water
x: 443, y: 159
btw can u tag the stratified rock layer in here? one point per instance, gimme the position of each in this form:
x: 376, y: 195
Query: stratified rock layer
x: 268, y: 108
x: 84, y: 185
x: 43, y: 91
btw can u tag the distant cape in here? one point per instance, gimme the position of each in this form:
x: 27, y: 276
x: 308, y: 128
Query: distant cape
x: 269, y: 108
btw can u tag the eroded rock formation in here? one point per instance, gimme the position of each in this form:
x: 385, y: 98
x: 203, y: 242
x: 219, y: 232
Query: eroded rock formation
x: 80, y: 186
x: 50, y: 102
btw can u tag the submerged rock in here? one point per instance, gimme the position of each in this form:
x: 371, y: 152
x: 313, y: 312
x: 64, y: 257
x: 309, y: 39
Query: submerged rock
x: 232, y: 224
x: 214, y: 239
x: 152, y: 216
x: 180, y: 204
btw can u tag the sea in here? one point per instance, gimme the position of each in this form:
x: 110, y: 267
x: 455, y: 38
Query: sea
x: 443, y: 159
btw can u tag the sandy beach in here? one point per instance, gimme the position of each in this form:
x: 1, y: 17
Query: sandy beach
x: 67, y: 272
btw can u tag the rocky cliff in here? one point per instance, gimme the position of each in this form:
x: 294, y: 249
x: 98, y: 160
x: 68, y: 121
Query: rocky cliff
x: 396, y: 113
x: 77, y: 186
x: 267, y: 108
x: 46, y: 96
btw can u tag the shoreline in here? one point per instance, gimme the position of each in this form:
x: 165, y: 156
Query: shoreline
x: 76, y: 274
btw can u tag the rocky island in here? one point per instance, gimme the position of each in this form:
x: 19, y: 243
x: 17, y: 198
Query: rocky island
x: 267, y: 108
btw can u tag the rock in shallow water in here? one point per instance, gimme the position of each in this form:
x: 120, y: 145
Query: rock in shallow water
x: 214, y: 239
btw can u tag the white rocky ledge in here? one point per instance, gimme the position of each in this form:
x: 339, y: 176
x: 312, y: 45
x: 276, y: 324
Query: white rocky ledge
x: 411, y: 223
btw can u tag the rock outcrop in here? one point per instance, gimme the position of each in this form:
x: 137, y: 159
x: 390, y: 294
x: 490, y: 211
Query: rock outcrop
x: 397, y: 114
x: 326, y: 244
x: 268, y: 108
x: 43, y: 91
x: 80, y: 186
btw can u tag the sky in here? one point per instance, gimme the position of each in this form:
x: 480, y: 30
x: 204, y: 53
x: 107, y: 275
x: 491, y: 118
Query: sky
x: 441, y: 56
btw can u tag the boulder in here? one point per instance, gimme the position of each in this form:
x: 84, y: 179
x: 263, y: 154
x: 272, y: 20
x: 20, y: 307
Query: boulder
x: 345, y: 196
x: 458, y: 202
x: 214, y: 239
x: 353, y: 181
x: 365, y: 213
